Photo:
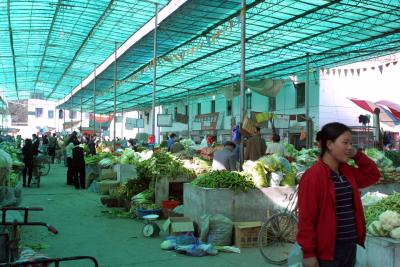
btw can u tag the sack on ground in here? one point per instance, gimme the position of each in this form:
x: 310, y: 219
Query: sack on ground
x: 217, y: 229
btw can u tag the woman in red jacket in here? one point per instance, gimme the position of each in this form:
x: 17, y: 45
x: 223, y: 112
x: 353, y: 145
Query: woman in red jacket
x: 331, y: 217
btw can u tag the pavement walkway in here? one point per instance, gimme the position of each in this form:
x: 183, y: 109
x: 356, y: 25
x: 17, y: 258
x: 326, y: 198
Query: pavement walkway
x: 115, y: 242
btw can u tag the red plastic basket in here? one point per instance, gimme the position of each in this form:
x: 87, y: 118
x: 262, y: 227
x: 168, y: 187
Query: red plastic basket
x: 170, y: 204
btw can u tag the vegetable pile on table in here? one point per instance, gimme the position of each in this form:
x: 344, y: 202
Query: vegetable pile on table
x: 383, y: 218
x: 389, y: 172
x: 225, y: 179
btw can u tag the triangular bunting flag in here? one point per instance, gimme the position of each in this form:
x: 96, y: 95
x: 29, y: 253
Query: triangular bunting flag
x: 358, y: 72
x: 218, y: 34
x: 394, y: 63
x: 387, y: 64
x: 322, y: 70
x: 345, y: 72
x: 192, y: 50
x: 231, y: 24
x: 372, y: 68
x: 364, y: 69
x: 380, y: 68
x: 333, y: 72
x: 339, y: 71
x: 327, y: 71
x: 352, y: 71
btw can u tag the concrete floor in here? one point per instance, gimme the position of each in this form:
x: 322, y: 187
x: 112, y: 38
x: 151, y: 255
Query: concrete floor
x: 85, y: 230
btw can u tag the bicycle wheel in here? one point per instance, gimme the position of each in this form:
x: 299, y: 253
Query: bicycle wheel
x: 277, y: 236
x: 44, y: 168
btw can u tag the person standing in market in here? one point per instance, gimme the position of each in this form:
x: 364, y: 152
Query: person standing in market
x: 52, y: 147
x: 68, y: 153
x: 92, y: 145
x: 36, y: 144
x: 255, y: 147
x: 331, y: 217
x: 170, y: 141
x: 78, y: 162
x: 276, y: 147
x: 177, y: 146
x: 225, y: 159
x: 27, y: 152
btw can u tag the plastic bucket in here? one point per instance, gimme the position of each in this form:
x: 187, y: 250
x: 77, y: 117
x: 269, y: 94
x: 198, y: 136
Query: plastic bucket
x: 276, y: 178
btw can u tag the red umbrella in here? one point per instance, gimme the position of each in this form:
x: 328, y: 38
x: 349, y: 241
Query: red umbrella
x: 385, y: 116
x: 393, y: 107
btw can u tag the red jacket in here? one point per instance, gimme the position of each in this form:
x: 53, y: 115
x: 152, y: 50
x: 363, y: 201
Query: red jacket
x: 317, y: 205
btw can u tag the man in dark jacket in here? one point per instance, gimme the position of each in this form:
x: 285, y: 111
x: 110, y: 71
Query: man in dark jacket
x: 36, y: 144
x: 78, y: 163
x: 27, y: 152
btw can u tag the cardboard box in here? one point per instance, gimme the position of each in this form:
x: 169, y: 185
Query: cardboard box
x: 246, y: 234
x: 178, y: 225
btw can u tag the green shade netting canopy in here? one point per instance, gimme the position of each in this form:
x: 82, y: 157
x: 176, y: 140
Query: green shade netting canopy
x: 195, y: 58
x: 47, y: 46
x: 51, y: 45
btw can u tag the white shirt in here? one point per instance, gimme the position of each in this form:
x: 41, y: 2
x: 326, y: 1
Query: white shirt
x: 68, y: 150
x: 276, y: 148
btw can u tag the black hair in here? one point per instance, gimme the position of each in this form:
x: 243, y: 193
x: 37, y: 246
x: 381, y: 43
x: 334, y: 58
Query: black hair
x: 229, y: 143
x: 76, y: 142
x: 173, y: 135
x: 276, y: 138
x: 28, y: 141
x: 330, y: 132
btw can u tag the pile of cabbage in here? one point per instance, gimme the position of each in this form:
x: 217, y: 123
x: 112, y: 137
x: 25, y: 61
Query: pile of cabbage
x: 5, y: 165
x: 385, y: 165
x: 261, y: 170
x: 383, y: 217
x: 129, y: 156
x: 13, y: 152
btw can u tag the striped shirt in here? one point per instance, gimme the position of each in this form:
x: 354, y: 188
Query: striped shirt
x: 346, y: 229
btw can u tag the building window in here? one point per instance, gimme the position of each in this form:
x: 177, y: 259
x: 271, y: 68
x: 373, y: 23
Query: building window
x: 198, y: 108
x: 186, y: 110
x: 271, y: 103
x: 72, y: 114
x: 300, y: 95
x: 61, y: 114
x: 212, y: 106
x: 50, y: 114
x: 38, y: 112
x: 248, y: 101
x: 229, y: 107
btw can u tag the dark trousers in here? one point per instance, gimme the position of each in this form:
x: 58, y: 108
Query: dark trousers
x: 52, y: 153
x: 70, y: 171
x: 27, y: 169
x: 345, y: 256
x: 79, y: 177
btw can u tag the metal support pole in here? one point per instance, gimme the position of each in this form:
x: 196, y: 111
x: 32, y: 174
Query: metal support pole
x: 188, y: 114
x: 153, y: 106
x: 122, y: 123
x: 70, y: 111
x: 94, y: 103
x: 307, y: 104
x: 242, y: 75
x: 115, y: 94
x: 81, y: 110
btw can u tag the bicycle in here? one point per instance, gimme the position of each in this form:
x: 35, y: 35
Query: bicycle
x: 11, y: 251
x: 41, y: 167
x: 278, y: 234
x: 11, y: 237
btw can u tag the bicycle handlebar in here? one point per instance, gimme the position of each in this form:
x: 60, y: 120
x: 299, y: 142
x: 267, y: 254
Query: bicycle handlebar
x: 52, y: 229
x: 52, y: 260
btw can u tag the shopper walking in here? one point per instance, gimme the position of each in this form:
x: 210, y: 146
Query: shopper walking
x: 78, y: 162
x: 36, y: 144
x: 68, y: 154
x: 276, y: 147
x: 27, y: 152
x: 52, y: 147
x: 331, y: 217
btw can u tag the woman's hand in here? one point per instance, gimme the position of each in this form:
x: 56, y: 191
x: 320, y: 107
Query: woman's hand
x: 311, y: 262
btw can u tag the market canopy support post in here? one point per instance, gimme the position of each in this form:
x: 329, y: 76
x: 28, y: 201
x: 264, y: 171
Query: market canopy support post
x: 307, y: 104
x: 94, y: 102
x: 242, y: 75
x: 115, y: 95
x: 153, y: 108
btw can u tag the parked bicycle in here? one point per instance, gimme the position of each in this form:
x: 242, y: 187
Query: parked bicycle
x: 10, y: 256
x: 278, y: 234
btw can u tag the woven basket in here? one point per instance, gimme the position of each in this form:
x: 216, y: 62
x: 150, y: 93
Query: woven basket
x: 106, y: 185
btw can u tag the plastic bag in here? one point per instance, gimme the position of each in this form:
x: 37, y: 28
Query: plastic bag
x: 295, y: 258
x: 220, y: 232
